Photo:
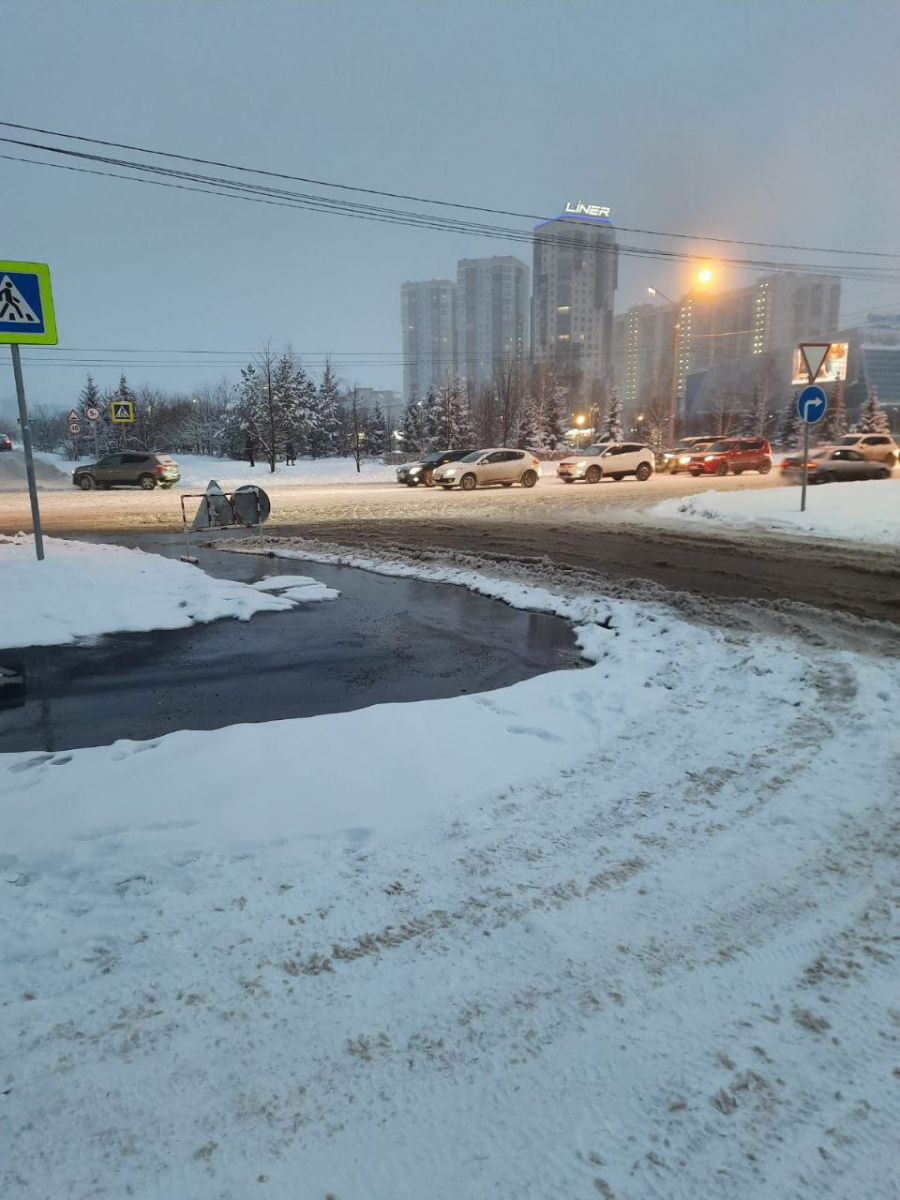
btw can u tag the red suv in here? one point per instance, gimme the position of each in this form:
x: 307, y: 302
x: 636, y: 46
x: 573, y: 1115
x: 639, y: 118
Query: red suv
x: 732, y: 454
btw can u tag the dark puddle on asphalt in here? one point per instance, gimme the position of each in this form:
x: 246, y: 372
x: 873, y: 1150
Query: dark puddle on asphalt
x: 384, y: 639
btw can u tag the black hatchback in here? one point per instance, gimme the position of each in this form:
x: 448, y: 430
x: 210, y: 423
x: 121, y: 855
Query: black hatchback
x: 414, y: 473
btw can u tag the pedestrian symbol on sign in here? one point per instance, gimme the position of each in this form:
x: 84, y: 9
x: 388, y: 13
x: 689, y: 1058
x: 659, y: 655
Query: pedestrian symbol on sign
x: 13, y: 305
x: 122, y: 412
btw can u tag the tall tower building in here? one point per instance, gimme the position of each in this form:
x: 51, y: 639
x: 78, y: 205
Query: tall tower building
x: 426, y: 315
x: 575, y: 274
x: 492, y: 311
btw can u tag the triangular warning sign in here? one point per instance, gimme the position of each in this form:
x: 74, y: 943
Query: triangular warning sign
x: 122, y: 412
x: 14, y: 308
x: 814, y: 354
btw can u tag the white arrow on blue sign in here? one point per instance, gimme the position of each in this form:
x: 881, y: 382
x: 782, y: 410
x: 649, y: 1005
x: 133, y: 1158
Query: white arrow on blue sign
x: 811, y: 405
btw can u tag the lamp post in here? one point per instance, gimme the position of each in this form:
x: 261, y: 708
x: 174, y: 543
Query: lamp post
x: 703, y: 277
x: 579, y: 421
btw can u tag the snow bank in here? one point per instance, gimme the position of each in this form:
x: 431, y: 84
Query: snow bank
x: 83, y: 590
x: 624, y: 931
x: 866, y: 511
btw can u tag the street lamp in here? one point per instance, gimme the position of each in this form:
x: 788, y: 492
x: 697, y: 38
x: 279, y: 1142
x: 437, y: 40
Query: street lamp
x: 579, y: 421
x: 704, y: 275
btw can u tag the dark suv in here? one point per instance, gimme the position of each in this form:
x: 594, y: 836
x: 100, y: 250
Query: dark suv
x: 132, y: 469
x: 732, y: 454
x: 414, y: 473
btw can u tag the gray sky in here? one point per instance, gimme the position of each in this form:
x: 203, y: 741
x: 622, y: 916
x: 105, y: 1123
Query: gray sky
x: 757, y: 120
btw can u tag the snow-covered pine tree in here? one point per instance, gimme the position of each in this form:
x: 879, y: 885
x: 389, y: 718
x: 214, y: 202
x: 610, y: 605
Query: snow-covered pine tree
x: 431, y: 411
x: 376, y: 433
x: 553, y: 420
x: 528, y: 434
x: 612, y: 431
x: 790, y: 425
x: 90, y: 397
x: 413, y: 427
x: 330, y: 422
x: 873, y: 418
x: 462, y: 429
x: 834, y: 425
x: 753, y: 420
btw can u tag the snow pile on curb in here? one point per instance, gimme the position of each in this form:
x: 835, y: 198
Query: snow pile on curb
x: 83, y: 590
x: 866, y: 511
x: 623, y: 931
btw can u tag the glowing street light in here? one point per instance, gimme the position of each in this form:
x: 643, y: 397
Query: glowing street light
x: 704, y: 276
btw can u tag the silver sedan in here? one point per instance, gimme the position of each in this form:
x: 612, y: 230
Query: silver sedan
x: 832, y: 464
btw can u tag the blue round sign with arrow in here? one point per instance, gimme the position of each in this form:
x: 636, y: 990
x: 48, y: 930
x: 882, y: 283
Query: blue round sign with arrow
x: 811, y: 405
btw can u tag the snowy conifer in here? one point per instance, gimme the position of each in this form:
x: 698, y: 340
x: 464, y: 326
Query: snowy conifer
x: 612, y: 431
x: 413, y: 427
x: 873, y: 418
x: 790, y: 425
x: 834, y: 425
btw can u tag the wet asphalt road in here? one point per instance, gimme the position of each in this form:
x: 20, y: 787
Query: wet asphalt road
x: 382, y: 640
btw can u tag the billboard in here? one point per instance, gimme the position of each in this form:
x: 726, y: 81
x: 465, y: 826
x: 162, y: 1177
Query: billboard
x: 833, y: 368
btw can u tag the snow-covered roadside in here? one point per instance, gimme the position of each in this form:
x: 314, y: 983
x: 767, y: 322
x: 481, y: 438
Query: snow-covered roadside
x: 197, y: 470
x: 83, y: 590
x: 623, y: 931
x: 860, y: 512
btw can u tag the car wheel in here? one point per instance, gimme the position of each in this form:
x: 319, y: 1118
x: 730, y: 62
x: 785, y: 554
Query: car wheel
x: 722, y: 468
x: 643, y: 472
x: 884, y: 474
x: 765, y: 467
x: 147, y: 482
x: 593, y: 475
x: 428, y: 478
x: 695, y: 474
x: 529, y: 479
x: 85, y: 482
x: 738, y: 470
x: 826, y: 478
x: 468, y: 483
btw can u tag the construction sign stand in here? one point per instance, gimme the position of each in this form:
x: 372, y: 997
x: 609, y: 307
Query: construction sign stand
x: 246, y: 508
x: 27, y: 319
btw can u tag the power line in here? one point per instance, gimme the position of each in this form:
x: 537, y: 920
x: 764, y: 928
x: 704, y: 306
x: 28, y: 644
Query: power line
x: 431, y: 200
x: 191, y: 181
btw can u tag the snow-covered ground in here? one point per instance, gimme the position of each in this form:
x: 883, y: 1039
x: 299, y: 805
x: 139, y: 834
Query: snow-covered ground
x: 860, y: 512
x: 197, y: 470
x: 626, y: 932
x: 82, y: 590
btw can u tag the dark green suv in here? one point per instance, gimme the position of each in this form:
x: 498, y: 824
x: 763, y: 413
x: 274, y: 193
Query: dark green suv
x: 132, y: 469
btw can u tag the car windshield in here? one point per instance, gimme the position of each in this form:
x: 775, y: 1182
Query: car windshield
x: 596, y: 451
x: 473, y: 457
x: 849, y: 439
x: 430, y: 459
x: 717, y: 447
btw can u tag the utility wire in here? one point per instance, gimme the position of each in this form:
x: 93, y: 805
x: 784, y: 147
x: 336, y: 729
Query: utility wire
x: 430, y: 200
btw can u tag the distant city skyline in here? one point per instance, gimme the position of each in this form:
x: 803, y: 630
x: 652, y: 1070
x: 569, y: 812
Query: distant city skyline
x: 720, y: 136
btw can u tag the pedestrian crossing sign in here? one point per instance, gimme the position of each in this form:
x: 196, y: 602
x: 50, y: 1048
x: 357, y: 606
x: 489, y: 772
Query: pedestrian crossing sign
x: 26, y: 305
x: 122, y: 412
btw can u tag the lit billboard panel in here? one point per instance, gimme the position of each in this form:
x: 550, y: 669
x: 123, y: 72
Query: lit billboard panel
x: 833, y: 368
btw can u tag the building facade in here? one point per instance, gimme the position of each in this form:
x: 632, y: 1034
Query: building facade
x: 427, y: 321
x: 492, y: 317
x: 574, y: 278
x: 718, y: 328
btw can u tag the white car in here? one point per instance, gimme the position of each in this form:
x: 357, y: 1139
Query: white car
x: 483, y: 467
x: 612, y: 459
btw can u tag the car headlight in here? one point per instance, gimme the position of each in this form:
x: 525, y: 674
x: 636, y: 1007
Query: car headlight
x: 684, y: 460
x: 708, y: 457
x: 415, y: 470
x: 449, y: 471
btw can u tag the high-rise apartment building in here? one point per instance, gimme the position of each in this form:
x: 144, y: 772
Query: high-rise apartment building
x: 492, y: 314
x: 574, y: 281
x: 427, y: 320
x: 717, y: 327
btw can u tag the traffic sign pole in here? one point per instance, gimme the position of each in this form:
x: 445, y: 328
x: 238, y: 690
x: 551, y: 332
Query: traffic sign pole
x: 29, y: 458
x: 805, y: 467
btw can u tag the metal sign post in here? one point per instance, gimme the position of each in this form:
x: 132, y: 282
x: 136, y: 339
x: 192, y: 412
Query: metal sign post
x: 27, y: 318
x: 811, y: 405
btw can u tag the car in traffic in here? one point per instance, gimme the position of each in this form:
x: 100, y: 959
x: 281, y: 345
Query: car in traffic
x: 5, y: 441
x: 497, y: 465
x: 414, y: 473
x: 679, y: 457
x: 131, y: 469
x: 833, y: 464
x: 612, y: 460
x: 734, y: 455
x: 877, y: 447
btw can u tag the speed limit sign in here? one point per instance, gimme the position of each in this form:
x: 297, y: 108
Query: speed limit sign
x: 74, y: 427
x: 92, y: 414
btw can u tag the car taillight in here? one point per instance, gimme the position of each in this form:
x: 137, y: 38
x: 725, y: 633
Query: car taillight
x: 159, y: 468
x: 535, y: 462
x: 811, y: 466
